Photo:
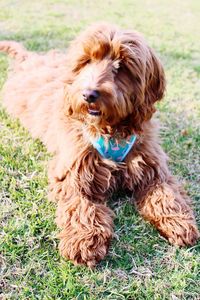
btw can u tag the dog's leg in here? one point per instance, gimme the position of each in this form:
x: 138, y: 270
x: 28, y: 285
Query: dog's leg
x: 167, y: 207
x: 86, y: 223
x: 87, y: 228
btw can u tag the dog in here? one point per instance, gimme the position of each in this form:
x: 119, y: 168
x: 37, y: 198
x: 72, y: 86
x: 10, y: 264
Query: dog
x: 92, y: 107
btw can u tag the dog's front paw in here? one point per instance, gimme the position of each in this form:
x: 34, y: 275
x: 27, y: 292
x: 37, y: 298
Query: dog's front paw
x: 86, y: 248
x: 181, y: 232
x: 87, y: 229
x: 186, y: 238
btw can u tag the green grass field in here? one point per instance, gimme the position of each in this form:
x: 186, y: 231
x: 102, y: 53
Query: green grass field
x: 140, y: 264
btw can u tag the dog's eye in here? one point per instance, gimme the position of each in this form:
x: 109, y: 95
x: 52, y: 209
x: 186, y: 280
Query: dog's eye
x: 116, y: 66
x: 87, y: 61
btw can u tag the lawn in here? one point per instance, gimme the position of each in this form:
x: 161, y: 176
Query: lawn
x: 140, y: 264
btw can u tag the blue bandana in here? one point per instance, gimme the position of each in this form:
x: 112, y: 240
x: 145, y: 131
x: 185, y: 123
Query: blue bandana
x: 114, y: 148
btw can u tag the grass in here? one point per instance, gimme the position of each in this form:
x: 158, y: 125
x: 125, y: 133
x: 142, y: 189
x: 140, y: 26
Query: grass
x: 140, y: 264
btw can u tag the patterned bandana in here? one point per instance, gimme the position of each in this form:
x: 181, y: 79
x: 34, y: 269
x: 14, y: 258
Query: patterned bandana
x: 114, y: 148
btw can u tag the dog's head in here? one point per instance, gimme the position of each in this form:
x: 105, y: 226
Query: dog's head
x: 115, y: 78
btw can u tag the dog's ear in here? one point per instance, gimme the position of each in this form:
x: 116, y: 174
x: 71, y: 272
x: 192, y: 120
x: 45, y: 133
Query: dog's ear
x: 154, y: 87
x: 147, y: 75
x: 154, y: 79
x: 67, y: 103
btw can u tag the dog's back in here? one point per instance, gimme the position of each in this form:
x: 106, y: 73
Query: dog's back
x: 34, y: 88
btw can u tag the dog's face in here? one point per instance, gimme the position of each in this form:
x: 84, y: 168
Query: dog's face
x: 115, y: 78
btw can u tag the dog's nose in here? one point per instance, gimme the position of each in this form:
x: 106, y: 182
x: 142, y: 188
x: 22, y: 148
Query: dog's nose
x: 91, y: 95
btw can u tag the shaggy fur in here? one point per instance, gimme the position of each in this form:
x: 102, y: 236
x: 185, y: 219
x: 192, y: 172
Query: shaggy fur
x: 46, y: 92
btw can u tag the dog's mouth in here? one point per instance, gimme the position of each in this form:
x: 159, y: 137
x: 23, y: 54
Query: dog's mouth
x: 94, y: 111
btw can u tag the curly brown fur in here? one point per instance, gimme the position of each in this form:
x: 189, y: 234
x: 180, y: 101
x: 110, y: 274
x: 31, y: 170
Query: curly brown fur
x: 46, y: 92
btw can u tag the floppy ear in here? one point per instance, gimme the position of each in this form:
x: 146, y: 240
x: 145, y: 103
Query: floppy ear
x: 67, y: 104
x: 148, y: 79
x: 154, y: 88
x: 155, y: 79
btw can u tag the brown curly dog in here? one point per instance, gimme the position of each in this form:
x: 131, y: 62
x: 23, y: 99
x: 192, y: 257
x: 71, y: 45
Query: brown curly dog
x: 92, y: 108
